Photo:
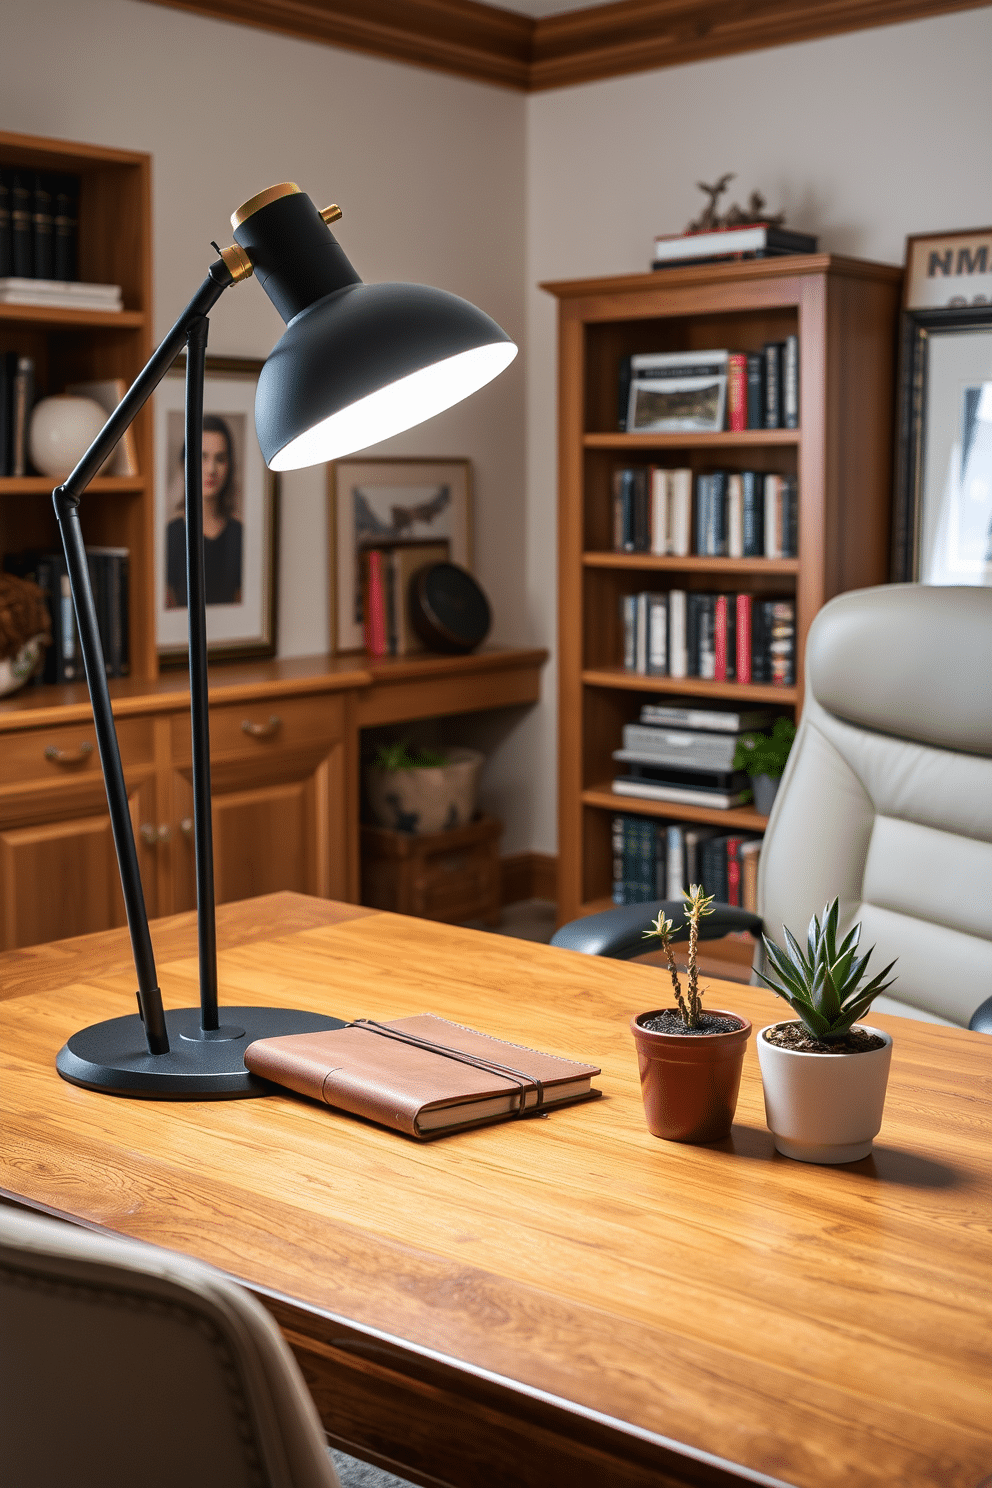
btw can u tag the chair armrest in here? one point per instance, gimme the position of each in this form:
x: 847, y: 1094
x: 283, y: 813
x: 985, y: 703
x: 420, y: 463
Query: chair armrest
x: 619, y: 933
x: 980, y: 1020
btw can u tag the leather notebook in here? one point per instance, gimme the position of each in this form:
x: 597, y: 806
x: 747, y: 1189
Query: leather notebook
x: 421, y: 1075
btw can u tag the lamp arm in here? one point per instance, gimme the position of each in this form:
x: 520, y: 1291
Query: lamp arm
x: 66, y: 502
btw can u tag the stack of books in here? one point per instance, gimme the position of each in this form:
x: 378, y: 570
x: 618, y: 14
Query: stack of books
x: 708, y: 391
x: 680, y: 753
x: 716, y: 514
x: 729, y: 244
x: 109, y: 576
x: 659, y: 860
x: 718, y: 637
x: 388, y: 570
x: 38, y: 226
x: 60, y: 296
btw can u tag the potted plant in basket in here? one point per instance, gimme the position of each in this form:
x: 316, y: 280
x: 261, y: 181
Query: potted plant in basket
x: 689, y: 1060
x: 423, y: 791
x: 763, y: 758
x: 824, y: 1076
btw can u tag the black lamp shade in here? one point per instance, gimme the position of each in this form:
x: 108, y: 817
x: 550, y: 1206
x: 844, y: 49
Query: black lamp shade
x: 369, y: 361
x: 358, y: 362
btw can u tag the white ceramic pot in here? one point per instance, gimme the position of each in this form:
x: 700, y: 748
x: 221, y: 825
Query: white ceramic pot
x: 427, y: 798
x: 62, y: 430
x: 824, y: 1108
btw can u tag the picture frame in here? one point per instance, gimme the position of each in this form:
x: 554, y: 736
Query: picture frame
x: 242, y: 567
x: 948, y: 271
x: 942, y: 520
x: 395, y: 502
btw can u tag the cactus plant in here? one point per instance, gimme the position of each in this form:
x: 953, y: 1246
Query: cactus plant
x: 697, y: 904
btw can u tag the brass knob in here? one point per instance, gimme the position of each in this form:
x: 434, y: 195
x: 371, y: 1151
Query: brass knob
x: 153, y: 835
x: 186, y: 826
x: 262, y: 730
x: 331, y: 214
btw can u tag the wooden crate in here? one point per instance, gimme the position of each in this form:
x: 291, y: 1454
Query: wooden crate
x: 451, y: 876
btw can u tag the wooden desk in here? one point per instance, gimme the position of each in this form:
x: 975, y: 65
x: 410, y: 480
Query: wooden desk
x: 557, y: 1302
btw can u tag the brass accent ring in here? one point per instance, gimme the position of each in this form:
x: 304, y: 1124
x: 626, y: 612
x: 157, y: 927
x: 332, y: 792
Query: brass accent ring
x: 237, y: 263
x: 256, y: 203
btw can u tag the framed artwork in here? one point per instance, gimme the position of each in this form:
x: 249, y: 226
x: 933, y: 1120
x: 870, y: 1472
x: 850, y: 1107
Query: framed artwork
x: 240, y: 517
x: 943, y: 513
x: 949, y: 270
x: 394, y: 502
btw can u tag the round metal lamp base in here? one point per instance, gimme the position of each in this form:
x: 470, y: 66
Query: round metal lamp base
x: 113, y: 1056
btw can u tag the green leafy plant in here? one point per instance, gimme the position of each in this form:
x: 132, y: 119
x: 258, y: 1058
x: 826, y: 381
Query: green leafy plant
x: 823, y: 982
x: 765, y: 754
x: 400, y: 756
x: 697, y: 904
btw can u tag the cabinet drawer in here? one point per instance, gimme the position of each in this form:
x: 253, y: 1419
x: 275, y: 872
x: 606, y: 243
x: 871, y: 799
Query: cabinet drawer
x: 254, y: 729
x: 61, y: 754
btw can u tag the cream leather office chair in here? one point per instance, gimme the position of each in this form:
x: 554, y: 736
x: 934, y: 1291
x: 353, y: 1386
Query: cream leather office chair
x: 125, y: 1364
x: 886, y: 801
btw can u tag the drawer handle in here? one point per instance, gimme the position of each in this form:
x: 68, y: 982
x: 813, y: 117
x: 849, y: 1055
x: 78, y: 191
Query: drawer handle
x: 153, y: 835
x: 186, y: 826
x: 66, y: 756
x: 262, y: 730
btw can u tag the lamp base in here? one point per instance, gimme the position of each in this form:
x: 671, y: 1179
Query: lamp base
x: 113, y: 1056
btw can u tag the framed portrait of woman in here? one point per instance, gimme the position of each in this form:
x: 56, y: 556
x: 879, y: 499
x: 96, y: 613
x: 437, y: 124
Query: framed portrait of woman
x: 240, y: 517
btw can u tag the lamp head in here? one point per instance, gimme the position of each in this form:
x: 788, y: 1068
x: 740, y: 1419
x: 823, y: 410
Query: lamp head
x: 357, y: 362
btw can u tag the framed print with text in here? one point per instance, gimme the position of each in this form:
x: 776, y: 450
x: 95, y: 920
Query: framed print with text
x: 240, y: 517
x: 390, y: 502
x: 943, y: 512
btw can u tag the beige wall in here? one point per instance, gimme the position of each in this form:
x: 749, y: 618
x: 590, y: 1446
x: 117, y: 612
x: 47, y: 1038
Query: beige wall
x: 861, y: 139
x: 428, y: 169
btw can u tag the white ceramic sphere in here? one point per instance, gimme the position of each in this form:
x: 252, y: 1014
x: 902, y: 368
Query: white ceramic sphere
x: 62, y: 430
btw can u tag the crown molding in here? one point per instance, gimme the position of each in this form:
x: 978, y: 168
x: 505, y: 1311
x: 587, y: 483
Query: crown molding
x: 498, y: 46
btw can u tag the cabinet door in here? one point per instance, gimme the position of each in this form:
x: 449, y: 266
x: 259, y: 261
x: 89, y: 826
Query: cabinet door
x: 58, y: 865
x: 279, y: 818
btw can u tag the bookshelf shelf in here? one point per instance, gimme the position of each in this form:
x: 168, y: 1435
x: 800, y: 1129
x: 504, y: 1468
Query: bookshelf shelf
x: 76, y: 345
x: 768, y: 567
x: 742, y: 817
x: 844, y: 314
x: 745, y: 438
x: 689, y: 686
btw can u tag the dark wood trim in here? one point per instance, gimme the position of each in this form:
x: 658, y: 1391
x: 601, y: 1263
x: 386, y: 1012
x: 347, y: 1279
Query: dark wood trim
x: 498, y: 46
x: 528, y: 875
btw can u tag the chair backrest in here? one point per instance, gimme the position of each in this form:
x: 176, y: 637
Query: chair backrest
x: 886, y: 800
x: 122, y: 1363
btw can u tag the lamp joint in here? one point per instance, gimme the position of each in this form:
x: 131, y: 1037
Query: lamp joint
x: 332, y: 213
x: 237, y: 263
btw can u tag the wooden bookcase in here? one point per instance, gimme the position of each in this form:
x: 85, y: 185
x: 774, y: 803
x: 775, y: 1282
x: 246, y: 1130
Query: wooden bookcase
x: 844, y: 312
x: 82, y: 345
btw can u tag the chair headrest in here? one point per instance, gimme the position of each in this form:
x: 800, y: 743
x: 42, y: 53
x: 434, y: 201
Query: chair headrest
x: 910, y: 660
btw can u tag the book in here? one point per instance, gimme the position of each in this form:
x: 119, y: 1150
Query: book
x: 660, y: 526
x: 750, y: 854
x: 680, y: 512
x: 623, y: 393
x: 687, y: 749
x: 8, y: 371
x: 22, y: 402
x: 755, y: 390
x: 721, y: 800
x: 737, y: 391
x: 735, y: 516
x: 373, y: 602
x: 773, y: 384
x: 752, y: 240
x: 657, y: 645
x: 43, y: 227
x: 678, y: 660
x: 628, y: 629
x: 109, y: 572
x: 108, y: 394
x: 720, y: 719
x: 641, y: 634
x: 616, y: 843
x: 724, y: 637
x: 420, y: 1075
x: 743, y: 642
x: 675, y: 876
x: 21, y: 226
x: 773, y: 516
x: 66, y: 225
x: 790, y: 382
x: 6, y: 244
x: 677, y: 392
x: 22, y: 289
x: 752, y: 514
x: 406, y: 560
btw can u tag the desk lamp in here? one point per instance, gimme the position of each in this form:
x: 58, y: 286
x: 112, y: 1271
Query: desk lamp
x: 356, y: 364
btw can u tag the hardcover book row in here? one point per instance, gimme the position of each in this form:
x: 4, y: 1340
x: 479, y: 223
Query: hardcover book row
x: 109, y: 577
x: 38, y: 225
x: 722, y: 514
x: 718, y: 637
x: 697, y: 392
x: 659, y: 860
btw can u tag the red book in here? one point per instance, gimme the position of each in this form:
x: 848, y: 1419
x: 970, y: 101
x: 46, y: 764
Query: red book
x: 736, y: 391
x: 744, y: 637
x: 720, y: 639
x: 734, y: 871
x: 375, y: 606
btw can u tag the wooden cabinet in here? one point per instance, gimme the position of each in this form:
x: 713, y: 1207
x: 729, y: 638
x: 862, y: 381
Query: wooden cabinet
x: 68, y: 346
x: 844, y: 313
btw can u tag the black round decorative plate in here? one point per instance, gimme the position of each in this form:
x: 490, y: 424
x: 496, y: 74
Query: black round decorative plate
x: 448, y: 610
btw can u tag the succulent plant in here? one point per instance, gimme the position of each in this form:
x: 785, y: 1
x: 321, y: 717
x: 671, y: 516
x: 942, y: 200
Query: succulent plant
x: 823, y: 982
x: 400, y: 756
x: 697, y: 904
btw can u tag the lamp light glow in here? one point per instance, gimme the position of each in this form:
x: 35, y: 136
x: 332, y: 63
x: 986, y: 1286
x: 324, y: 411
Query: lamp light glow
x: 408, y: 401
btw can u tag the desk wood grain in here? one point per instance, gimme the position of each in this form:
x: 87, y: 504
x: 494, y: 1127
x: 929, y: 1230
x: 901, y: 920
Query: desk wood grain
x: 561, y: 1301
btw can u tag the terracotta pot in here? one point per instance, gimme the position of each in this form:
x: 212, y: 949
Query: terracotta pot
x: 690, y: 1082
x: 824, y: 1108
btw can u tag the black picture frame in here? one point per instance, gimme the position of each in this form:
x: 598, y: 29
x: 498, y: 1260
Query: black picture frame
x: 919, y: 438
